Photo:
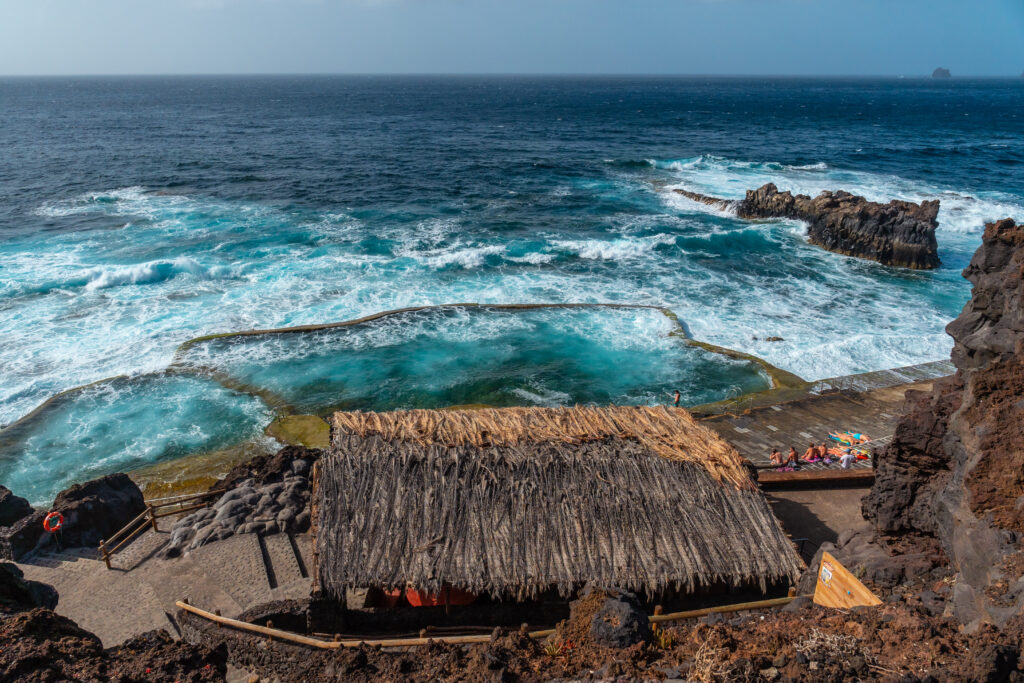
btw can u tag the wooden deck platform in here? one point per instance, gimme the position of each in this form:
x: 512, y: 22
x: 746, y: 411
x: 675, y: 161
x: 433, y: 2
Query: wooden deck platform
x: 820, y: 478
x: 870, y: 403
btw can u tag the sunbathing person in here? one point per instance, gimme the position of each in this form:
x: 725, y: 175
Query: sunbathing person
x: 776, y: 457
x: 847, y: 459
x: 823, y: 452
x: 792, y: 458
x: 811, y: 454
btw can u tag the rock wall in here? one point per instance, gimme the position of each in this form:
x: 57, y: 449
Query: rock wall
x: 955, y: 468
x: 895, y: 234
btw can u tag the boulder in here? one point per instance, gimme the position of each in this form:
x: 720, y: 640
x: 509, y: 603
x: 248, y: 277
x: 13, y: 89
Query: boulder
x: 941, y: 72
x: 899, y: 233
x: 97, y: 509
x: 12, y: 507
x: 18, y: 594
x: 23, y: 537
x: 607, y: 617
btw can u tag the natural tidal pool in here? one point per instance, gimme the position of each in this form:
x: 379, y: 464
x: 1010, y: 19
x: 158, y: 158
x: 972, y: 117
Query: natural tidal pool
x: 225, y: 390
x: 499, y: 357
x: 121, y: 424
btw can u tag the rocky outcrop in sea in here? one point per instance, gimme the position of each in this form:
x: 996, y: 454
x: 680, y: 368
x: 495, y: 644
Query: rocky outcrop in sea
x: 899, y: 233
x: 953, y: 469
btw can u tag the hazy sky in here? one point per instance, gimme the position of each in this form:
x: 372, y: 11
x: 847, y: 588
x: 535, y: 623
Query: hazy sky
x: 912, y: 37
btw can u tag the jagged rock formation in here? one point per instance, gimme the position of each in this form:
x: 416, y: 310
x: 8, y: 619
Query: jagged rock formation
x: 941, y: 72
x: 895, y: 234
x: 98, y: 509
x: 18, y: 594
x: 12, y: 507
x: 955, y: 468
x: 92, y: 512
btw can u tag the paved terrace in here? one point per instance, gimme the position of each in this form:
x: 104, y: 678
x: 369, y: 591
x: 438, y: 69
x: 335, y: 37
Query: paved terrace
x: 138, y: 594
x: 870, y: 403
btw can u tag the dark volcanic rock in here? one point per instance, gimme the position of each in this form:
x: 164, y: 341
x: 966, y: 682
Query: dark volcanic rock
x: 941, y: 73
x: 266, y: 495
x: 12, y: 507
x: 268, y: 469
x: 953, y: 470
x: 18, y: 594
x: 895, y: 234
x: 97, y: 509
x: 43, y: 646
x: 23, y: 536
x: 606, y: 617
x: 905, y: 486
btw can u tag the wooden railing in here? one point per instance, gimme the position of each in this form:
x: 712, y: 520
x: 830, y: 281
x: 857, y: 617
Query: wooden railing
x: 155, y: 509
x: 271, y: 633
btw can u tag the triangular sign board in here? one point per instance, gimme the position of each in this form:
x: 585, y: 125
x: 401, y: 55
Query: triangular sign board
x: 837, y: 587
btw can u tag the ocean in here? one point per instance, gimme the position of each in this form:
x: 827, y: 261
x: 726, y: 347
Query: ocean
x: 138, y: 213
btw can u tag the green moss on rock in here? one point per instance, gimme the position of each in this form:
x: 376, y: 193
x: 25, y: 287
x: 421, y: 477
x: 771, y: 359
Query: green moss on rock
x: 300, y: 430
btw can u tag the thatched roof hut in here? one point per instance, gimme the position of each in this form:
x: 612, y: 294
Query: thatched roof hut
x: 514, y: 502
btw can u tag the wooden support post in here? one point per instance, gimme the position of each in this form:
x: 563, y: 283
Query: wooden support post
x: 106, y: 555
x: 152, y: 516
x: 792, y: 591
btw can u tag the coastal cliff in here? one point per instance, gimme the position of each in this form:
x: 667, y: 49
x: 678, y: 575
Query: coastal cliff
x: 953, y: 469
x: 899, y: 233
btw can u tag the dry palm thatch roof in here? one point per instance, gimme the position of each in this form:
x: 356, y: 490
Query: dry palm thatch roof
x: 422, y: 498
x: 670, y: 432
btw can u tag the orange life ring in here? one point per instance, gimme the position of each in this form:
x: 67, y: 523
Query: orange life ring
x: 53, y: 522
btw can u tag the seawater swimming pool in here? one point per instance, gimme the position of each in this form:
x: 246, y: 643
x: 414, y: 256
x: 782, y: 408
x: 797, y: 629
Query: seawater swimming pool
x: 225, y: 390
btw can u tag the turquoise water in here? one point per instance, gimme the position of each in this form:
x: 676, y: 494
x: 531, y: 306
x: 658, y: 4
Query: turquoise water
x: 120, y: 425
x: 434, y: 359
x: 139, y: 213
x: 427, y: 359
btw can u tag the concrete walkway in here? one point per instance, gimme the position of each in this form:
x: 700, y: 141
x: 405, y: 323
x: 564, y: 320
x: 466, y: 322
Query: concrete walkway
x: 139, y: 593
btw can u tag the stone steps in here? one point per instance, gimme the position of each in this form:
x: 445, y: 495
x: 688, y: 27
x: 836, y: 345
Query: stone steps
x: 283, y: 568
x: 236, y: 565
x: 228, y: 576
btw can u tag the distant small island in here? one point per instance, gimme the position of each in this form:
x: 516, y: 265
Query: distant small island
x: 941, y: 73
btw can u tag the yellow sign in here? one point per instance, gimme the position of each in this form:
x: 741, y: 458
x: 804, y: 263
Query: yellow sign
x: 837, y: 587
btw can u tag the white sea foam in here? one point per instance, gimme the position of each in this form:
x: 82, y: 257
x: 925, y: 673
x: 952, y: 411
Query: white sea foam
x: 542, y: 396
x: 467, y: 257
x: 619, y: 249
x: 150, y: 272
x: 68, y: 314
x: 534, y: 258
